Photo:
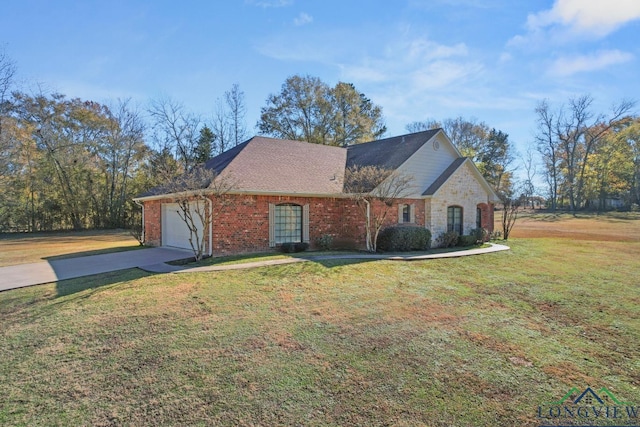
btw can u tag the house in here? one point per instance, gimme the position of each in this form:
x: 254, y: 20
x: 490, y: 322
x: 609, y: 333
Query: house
x: 292, y: 191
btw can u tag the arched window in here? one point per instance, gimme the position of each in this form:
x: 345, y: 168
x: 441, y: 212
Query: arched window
x: 454, y: 219
x: 478, y: 217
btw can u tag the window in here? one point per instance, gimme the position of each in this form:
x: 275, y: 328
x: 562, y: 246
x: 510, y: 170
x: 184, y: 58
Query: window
x: 406, y: 213
x: 454, y: 219
x: 288, y: 223
x: 478, y: 217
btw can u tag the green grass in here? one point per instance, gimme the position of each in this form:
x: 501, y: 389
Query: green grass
x: 475, y: 341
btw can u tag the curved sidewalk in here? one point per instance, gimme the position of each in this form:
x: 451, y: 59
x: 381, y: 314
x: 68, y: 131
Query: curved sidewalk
x: 493, y: 248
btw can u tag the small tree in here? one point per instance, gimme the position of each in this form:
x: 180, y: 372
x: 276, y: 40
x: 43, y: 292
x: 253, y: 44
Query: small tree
x: 374, y: 190
x: 199, y: 194
x: 510, y: 214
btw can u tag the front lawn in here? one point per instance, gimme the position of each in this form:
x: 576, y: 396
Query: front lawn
x: 475, y: 341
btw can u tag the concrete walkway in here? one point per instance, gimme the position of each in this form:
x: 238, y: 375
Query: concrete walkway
x: 155, y: 260
x: 18, y: 276
x: 493, y: 248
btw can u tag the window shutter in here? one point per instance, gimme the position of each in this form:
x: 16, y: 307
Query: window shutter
x: 412, y: 213
x: 272, y: 225
x: 400, y: 213
x: 305, y: 223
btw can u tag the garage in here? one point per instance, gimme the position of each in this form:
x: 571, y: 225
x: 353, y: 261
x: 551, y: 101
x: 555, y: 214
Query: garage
x: 175, y: 232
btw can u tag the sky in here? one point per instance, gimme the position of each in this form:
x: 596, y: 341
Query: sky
x: 488, y: 60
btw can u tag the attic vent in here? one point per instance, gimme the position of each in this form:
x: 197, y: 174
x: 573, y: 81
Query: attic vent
x: 402, y: 141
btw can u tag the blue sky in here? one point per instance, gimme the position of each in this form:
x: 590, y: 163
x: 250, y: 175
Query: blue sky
x: 491, y: 60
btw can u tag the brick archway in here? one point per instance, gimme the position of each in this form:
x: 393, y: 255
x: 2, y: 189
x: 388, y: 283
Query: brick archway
x: 486, y: 215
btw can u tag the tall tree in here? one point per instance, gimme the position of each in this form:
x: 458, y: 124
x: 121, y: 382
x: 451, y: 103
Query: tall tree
x: 307, y: 109
x: 175, y: 128
x: 237, y: 111
x: 575, y: 131
x: 549, y: 148
x: 204, y: 147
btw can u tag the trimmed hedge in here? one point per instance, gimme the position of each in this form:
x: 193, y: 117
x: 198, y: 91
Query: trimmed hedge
x: 403, y: 239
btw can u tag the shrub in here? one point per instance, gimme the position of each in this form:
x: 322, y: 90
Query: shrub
x: 404, y: 238
x: 467, y: 240
x: 496, y: 235
x: 291, y: 247
x: 482, y: 234
x: 448, y: 239
x: 325, y: 242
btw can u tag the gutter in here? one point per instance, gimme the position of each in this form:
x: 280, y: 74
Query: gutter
x: 137, y: 202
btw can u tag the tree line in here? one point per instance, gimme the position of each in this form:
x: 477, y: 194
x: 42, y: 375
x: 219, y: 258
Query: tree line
x: 67, y: 163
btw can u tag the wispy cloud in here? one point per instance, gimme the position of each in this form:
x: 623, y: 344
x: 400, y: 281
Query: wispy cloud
x: 302, y: 19
x: 568, y: 66
x: 270, y: 3
x: 597, y: 18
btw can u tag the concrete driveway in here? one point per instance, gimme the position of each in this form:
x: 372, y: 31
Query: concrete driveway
x: 18, y: 276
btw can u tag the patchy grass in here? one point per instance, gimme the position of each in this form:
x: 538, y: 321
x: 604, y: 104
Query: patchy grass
x: 36, y: 247
x: 475, y: 341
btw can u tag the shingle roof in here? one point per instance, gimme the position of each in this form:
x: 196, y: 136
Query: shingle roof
x: 444, y: 176
x: 388, y: 153
x: 268, y: 165
x: 284, y: 166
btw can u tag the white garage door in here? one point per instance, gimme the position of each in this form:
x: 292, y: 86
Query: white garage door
x: 175, y: 232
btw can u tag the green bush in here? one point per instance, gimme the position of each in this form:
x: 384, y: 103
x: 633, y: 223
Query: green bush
x: 467, y: 240
x: 291, y: 247
x: 482, y: 234
x: 403, y: 239
x: 325, y: 242
x: 448, y: 239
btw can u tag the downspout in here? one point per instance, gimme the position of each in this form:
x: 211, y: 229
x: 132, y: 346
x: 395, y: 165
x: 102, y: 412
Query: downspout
x: 368, y: 225
x: 210, y: 251
x: 142, y: 206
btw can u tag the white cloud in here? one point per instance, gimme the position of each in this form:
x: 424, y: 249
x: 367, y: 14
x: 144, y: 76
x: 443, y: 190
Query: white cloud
x: 583, y: 63
x: 593, y: 17
x: 303, y: 19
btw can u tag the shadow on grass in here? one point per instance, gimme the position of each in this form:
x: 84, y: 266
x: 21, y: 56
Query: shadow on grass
x: 97, y: 281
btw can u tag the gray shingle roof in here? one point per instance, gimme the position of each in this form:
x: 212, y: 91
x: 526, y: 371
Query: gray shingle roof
x: 444, y: 176
x: 388, y: 153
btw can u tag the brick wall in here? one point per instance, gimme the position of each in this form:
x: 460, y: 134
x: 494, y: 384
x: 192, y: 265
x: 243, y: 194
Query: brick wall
x: 241, y: 224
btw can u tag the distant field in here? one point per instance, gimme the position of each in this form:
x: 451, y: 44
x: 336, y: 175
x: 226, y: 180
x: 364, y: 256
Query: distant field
x: 27, y: 248
x: 614, y: 226
x: 475, y: 341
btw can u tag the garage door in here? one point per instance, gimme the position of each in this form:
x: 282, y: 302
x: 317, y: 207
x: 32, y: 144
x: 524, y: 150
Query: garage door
x: 175, y: 232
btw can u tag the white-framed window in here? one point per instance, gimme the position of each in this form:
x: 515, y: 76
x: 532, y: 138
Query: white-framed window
x: 406, y: 213
x: 288, y: 223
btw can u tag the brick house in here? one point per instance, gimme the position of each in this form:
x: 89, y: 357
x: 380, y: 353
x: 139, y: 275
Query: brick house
x: 292, y: 191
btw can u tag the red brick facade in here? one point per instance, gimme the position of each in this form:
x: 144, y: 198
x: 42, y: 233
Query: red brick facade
x: 242, y: 225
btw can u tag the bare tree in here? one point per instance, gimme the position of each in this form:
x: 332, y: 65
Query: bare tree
x: 237, y: 111
x: 200, y: 194
x: 221, y: 127
x: 567, y: 139
x: 529, y: 165
x: 176, y: 129
x: 374, y: 189
x: 510, y: 215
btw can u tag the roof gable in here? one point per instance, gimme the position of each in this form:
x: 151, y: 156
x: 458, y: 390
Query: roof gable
x: 455, y: 166
x: 388, y: 153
